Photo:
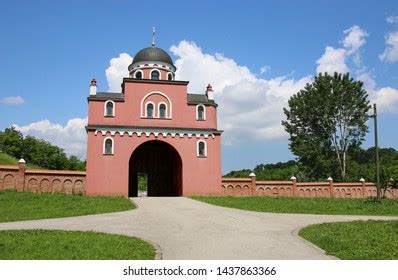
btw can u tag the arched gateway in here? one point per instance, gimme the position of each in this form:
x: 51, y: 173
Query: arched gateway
x: 161, y: 164
x: 173, y: 134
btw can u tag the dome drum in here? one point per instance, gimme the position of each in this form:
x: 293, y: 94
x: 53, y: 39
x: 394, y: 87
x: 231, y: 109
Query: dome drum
x: 152, y: 57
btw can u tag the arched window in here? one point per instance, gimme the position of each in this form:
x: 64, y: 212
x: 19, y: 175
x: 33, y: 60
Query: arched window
x: 138, y: 75
x: 202, y: 150
x: 149, y: 110
x: 200, y: 112
x: 162, y: 111
x: 109, y: 108
x: 108, y: 146
x: 169, y: 76
x: 155, y: 75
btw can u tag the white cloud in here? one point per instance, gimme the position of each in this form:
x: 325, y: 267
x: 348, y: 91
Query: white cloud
x: 201, y: 69
x: 386, y: 99
x: 333, y: 60
x: 392, y: 19
x: 264, y: 68
x: 249, y: 107
x: 117, y: 71
x: 72, y: 137
x: 368, y: 80
x: 12, y: 100
x: 390, y: 54
x: 355, y: 38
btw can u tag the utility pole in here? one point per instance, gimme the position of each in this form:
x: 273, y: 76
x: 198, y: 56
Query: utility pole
x: 377, y: 152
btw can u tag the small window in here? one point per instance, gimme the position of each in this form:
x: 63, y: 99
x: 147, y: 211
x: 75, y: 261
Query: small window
x: 108, y: 149
x: 202, y: 149
x: 149, y: 110
x: 170, y: 77
x: 155, y: 75
x: 109, y: 110
x: 200, y: 112
x: 162, y: 111
x: 138, y: 75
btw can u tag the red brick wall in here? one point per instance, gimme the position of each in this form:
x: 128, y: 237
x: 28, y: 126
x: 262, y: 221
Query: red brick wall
x: 251, y: 187
x: 74, y: 182
x: 41, y: 181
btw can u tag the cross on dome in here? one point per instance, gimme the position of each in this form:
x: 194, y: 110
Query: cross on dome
x: 153, y: 36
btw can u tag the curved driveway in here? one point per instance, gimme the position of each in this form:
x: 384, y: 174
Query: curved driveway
x: 187, y: 229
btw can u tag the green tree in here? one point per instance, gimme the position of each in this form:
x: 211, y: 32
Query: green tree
x: 11, y: 142
x: 37, y: 151
x: 44, y: 154
x: 325, y: 120
x: 76, y: 164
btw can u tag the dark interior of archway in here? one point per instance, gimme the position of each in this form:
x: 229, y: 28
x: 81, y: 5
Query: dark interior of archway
x: 162, y: 164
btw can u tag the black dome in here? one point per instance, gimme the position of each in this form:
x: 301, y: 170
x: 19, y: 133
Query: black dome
x: 152, y: 54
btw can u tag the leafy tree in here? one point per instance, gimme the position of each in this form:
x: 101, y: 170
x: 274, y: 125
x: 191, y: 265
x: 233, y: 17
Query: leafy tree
x: 11, y: 142
x: 76, y: 164
x: 360, y: 164
x: 37, y: 151
x: 239, y: 174
x: 325, y: 120
x: 45, y: 154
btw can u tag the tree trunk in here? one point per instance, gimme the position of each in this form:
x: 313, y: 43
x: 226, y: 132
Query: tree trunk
x: 344, y: 166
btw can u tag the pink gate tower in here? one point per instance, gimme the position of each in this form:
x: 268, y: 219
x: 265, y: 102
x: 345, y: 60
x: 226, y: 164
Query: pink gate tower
x: 153, y: 127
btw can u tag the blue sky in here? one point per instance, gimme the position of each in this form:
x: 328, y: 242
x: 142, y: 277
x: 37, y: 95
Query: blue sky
x: 50, y: 50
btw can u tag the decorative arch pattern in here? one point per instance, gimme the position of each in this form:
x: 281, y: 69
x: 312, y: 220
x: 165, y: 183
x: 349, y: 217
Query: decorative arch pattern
x: 156, y: 98
x: 8, y: 182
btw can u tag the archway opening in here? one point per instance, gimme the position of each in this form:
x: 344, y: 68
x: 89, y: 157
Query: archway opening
x: 161, y: 165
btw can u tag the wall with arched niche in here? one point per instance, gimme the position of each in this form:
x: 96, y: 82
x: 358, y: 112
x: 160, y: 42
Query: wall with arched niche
x: 41, y: 181
x: 251, y: 187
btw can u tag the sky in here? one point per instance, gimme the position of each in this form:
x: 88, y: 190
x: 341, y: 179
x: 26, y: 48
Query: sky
x: 256, y: 54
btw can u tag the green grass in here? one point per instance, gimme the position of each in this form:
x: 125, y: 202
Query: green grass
x: 329, y: 206
x: 6, y: 159
x: 71, y: 245
x: 18, y: 206
x: 359, y: 240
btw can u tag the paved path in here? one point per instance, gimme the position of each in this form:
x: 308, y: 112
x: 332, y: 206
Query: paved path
x: 188, y: 229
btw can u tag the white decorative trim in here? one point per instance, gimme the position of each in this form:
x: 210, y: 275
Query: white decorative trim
x: 113, y: 146
x: 146, y: 109
x: 158, y: 131
x: 197, y: 148
x: 166, y: 114
x: 138, y: 71
x: 170, y: 112
x: 113, y: 108
x: 160, y: 74
x: 197, y: 112
x: 151, y: 64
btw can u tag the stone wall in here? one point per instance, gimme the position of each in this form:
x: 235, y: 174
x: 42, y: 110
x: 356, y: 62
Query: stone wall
x: 251, y: 187
x: 41, y: 181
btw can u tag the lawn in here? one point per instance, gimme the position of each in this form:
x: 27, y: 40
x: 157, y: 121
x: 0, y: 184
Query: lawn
x: 6, y: 159
x: 329, y: 206
x: 359, y: 240
x: 18, y: 206
x: 71, y: 245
